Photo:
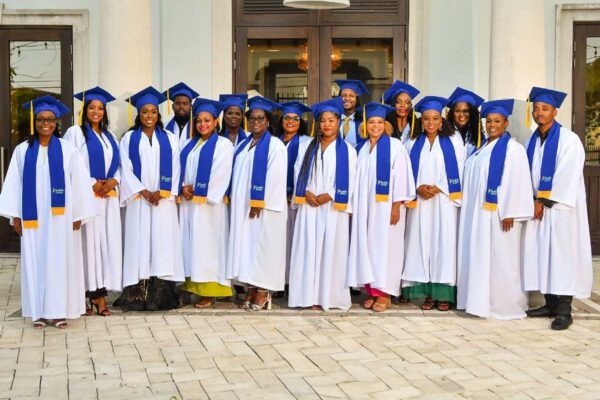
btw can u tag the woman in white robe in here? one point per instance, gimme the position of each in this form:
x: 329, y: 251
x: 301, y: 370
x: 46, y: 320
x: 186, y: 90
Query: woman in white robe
x: 376, y: 256
x: 256, y: 255
x: 203, y: 215
x: 233, y: 118
x: 490, y: 281
x: 152, y: 260
x: 52, y: 282
x: 101, y: 235
x: 463, y: 114
x: 432, y: 219
x: 319, y: 263
x: 402, y: 117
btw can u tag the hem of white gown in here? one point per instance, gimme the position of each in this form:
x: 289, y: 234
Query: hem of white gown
x: 261, y: 285
x: 586, y: 295
x: 522, y: 315
x: 325, y: 308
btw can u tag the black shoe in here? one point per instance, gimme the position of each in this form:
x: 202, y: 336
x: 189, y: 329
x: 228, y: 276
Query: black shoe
x: 562, y: 322
x: 541, y: 312
x: 355, y: 292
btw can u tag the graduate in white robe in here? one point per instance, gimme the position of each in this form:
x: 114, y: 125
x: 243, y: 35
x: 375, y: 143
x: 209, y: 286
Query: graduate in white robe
x: 182, y: 96
x: 46, y: 201
x: 497, y: 200
x: 101, y: 236
x: 463, y: 114
x: 152, y: 260
x: 350, y: 92
x: 234, y: 124
x: 400, y: 96
x: 256, y: 256
x: 206, y: 161
x: 325, y: 174
x: 437, y: 158
x: 384, y: 180
x: 558, y: 260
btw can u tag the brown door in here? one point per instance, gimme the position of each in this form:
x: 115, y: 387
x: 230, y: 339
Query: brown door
x: 586, y: 116
x: 35, y: 61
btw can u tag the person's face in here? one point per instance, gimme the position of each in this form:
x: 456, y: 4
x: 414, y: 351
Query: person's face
x: 149, y: 116
x: 375, y: 127
x: 182, y: 105
x: 291, y: 123
x: 461, y: 114
x: 205, y: 123
x: 432, y: 121
x: 349, y: 99
x: 233, y: 117
x: 403, y: 105
x: 495, y: 125
x: 543, y: 113
x: 329, y: 124
x: 45, y: 123
x: 257, y: 121
x: 95, y: 112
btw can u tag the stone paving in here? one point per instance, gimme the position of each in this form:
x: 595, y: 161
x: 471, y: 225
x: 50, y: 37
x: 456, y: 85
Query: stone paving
x: 223, y: 353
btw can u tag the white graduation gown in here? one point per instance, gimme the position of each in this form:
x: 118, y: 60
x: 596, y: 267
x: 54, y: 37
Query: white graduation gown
x: 256, y: 254
x: 558, y: 259
x: 432, y: 227
x: 52, y: 281
x: 152, y: 237
x: 405, y: 137
x: 291, y: 220
x: 205, y: 227
x: 319, y: 263
x: 376, y: 246
x: 490, y: 281
x: 101, y: 236
x: 181, y: 135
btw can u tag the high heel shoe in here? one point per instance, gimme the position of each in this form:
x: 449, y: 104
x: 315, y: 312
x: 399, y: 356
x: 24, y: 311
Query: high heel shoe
x: 265, y: 304
x: 247, y: 303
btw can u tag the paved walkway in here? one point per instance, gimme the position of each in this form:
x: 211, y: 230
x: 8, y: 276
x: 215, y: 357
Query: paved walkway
x: 223, y: 353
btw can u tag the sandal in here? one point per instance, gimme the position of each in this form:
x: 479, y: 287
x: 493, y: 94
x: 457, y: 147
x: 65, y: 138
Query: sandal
x: 381, y: 306
x: 40, y: 324
x: 105, y: 312
x: 443, y: 305
x: 203, y: 303
x: 368, y: 303
x: 247, y: 303
x: 428, y: 304
x: 265, y: 302
x: 316, y: 308
x: 60, y: 323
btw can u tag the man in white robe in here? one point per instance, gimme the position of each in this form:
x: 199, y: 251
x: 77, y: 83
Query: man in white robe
x: 182, y: 96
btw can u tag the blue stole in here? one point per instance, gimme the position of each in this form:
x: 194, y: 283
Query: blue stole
x: 171, y: 126
x: 342, y: 176
x: 495, y: 172
x: 96, y: 157
x: 166, y: 159
x: 450, y: 163
x: 292, y: 151
x: 384, y: 155
x: 57, y: 181
x: 548, y: 159
x: 205, y: 162
x: 242, y: 135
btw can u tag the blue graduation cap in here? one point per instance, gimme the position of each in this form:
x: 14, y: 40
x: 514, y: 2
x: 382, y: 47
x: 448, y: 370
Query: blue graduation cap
x: 294, y: 107
x: 431, y: 103
x: 357, y: 86
x: 211, y: 106
x: 96, y: 93
x: 147, y: 96
x: 46, y: 103
x: 466, y: 96
x: 399, y: 87
x: 237, y: 100
x: 375, y: 109
x: 180, y: 89
x: 262, y: 103
x: 335, y: 105
x: 548, y: 96
x: 504, y: 107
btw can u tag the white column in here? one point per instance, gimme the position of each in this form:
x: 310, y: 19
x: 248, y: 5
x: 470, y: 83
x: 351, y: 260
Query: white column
x: 221, y: 47
x: 125, y: 53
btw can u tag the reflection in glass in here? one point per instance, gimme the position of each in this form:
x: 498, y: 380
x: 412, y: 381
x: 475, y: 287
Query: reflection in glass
x: 277, y: 69
x: 35, y: 68
x: 592, y: 102
x: 369, y: 60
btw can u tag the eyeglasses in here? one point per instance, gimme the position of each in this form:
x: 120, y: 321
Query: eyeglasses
x: 465, y: 111
x: 43, y: 121
x: 288, y: 118
x: 259, y: 120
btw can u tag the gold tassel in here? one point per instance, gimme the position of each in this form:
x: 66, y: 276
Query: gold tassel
x: 246, y: 119
x: 412, y: 122
x: 490, y: 206
x: 528, y: 113
x: 168, y: 102
x: 31, y: 129
x: 411, y: 204
x: 382, y: 102
x: 81, y: 111
x: 257, y: 203
x: 129, y: 113
x: 544, y: 194
x: 364, y: 130
x: 226, y: 199
x: 190, y: 130
x: 340, y: 206
x: 33, y: 224
x: 312, y: 129
x: 382, y: 198
x: 479, y: 134
x: 446, y: 113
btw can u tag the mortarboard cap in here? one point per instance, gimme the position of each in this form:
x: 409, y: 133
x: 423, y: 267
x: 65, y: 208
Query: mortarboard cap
x: 464, y: 95
x: 374, y: 109
x: 237, y: 100
x: 399, y: 87
x: 431, y: 103
x: 357, y: 86
x: 294, y: 107
x: 147, y: 96
x: 504, y: 107
x: 548, y: 96
x: 211, y: 106
x: 46, y: 103
x: 180, y: 89
x: 96, y: 93
x: 335, y: 105
x: 262, y: 103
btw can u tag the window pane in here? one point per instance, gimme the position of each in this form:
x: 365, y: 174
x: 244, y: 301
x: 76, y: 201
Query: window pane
x: 34, y: 71
x: 592, y: 102
x: 368, y: 60
x: 278, y: 69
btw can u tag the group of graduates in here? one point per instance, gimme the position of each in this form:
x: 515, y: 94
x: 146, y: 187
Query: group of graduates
x: 433, y: 208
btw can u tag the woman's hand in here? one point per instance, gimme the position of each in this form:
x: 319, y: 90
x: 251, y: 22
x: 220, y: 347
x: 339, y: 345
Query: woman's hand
x: 538, y: 210
x: 395, y: 215
x: 254, y: 212
x: 18, y: 227
x: 187, y: 192
x: 427, y: 191
x: 107, y: 187
x: 76, y: 225
x: 155, y: 198
x: 97, y: 187
x: 324, y: 198
x: 311, y: 199
x: 507, y: 224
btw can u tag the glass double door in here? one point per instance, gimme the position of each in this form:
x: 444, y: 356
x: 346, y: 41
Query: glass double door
x: 302, y: 63
x: 35, y: 61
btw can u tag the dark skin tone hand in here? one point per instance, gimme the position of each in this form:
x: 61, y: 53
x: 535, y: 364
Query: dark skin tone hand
x: 254, y: 212
x: 538, y: 210
x: 395, y: 215
x: 103, y: 187
x: 428, y: 191
x: 187, y: 192
x: 507, y: 224
x: 152, y: 197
